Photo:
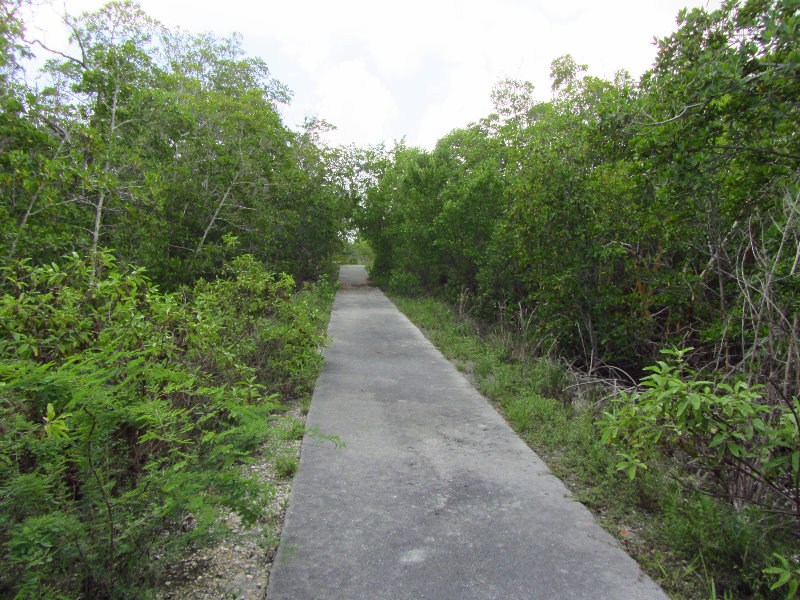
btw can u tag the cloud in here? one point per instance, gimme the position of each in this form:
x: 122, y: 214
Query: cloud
x: 356, y: 101
x: 466, y: 100
x: 381, y: 70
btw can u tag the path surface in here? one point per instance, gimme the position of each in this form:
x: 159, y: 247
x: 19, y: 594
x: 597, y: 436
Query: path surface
x: 434, y: 496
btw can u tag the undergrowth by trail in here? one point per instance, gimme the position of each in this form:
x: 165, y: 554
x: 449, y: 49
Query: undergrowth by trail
x: 693, y: 545
x: 126, y: 412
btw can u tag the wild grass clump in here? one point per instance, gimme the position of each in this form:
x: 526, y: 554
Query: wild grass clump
x: 286, y: 465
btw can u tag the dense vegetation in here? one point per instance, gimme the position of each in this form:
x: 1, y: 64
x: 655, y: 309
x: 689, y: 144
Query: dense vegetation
x: 623, y: 218
x: 156, y: 215
x: 133, y: 381
x: 158, y: 144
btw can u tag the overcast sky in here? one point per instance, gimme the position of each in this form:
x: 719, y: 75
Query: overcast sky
x: 419, y: 68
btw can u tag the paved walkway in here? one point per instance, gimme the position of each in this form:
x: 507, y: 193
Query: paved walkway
x: 433, y: 496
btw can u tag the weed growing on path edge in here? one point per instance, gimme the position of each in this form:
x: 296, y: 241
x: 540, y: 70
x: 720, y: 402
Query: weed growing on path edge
x: 286, y: 465
x: 696, y: 547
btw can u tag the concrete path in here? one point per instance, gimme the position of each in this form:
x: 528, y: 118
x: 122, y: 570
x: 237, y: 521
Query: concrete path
x: 433, y: 496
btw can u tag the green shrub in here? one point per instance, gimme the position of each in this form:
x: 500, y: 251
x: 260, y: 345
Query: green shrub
x: 252, y: 320
x: 740, y: 447
x: 123, y: 414
x: 404, y: 282
x: 291, y: 429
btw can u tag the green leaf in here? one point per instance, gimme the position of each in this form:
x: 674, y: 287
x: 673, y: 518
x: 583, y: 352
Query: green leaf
x: 783, y: 577
x: 717, y: 440
x: 735, y: 449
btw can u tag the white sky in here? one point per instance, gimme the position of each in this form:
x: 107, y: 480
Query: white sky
x: 383, y: 70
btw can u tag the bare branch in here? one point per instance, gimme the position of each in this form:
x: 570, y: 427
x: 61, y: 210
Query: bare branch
x: 686, y: 109
x: 755, y: 149
x: 78, y: 62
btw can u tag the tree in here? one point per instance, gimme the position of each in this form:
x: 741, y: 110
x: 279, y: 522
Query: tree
x: 164, y: 145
